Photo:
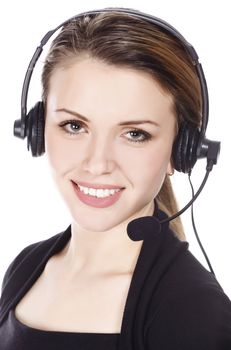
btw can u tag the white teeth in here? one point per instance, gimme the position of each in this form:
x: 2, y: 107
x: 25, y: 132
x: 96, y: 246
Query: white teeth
x: 85, y: 190
x: 99, y: 193
x: 92, y: 192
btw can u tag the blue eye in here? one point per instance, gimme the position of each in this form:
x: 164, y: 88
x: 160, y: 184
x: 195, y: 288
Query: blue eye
x: 71, y: 127
x: 139, y: 136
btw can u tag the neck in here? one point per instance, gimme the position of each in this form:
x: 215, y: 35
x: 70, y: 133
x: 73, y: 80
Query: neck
x: 111, y: 251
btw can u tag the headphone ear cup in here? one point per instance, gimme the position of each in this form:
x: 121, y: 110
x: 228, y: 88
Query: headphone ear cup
x: 35, y: 130
x: 177, y: 149
x: 184, y: 152
x: 193, y: 142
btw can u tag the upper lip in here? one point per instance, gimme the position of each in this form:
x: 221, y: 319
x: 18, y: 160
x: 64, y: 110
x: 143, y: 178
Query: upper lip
x: 97, y: 186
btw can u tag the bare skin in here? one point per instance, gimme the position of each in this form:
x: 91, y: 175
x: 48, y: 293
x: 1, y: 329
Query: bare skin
x: 82, y: 303
x: 84, y: 287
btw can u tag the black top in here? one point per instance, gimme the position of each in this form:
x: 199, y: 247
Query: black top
x: 173, y: 302
x: 16, y: 336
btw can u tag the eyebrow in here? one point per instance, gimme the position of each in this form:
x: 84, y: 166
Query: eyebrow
x: 128, y: 122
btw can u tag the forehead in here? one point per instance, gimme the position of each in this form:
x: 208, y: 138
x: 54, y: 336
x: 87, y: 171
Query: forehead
x: 96, y: 89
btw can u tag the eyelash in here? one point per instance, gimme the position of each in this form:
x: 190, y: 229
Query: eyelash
x: 145, y: 135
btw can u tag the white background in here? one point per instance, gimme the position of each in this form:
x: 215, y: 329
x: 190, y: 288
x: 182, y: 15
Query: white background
x: 30, y: 207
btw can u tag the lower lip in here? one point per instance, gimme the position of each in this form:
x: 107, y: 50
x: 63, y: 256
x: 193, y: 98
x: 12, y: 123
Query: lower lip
x: 94, y: 201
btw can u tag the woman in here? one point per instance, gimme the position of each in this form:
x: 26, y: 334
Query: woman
x: 116, y: 91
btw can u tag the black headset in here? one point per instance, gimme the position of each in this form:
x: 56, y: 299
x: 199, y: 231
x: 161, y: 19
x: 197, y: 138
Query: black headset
x: 190, y: 144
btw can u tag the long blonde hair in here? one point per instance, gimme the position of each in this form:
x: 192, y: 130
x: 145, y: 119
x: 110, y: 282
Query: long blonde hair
x: 125, y: 40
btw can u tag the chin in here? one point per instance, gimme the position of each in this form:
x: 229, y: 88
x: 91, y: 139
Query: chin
x: 97, y: 222
x: 94, y: 225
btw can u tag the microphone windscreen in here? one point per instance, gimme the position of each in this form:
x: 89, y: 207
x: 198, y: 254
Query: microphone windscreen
x: 143, y: 228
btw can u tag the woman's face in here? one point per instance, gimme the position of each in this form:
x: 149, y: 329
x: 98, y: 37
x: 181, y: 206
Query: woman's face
x: 108, y: 128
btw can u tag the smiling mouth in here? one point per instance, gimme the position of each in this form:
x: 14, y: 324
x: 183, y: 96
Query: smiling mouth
x: 97, y: 197
x: 98, y: 192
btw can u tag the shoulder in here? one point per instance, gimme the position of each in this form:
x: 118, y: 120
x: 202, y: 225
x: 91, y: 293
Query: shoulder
x: 192, y: 309
x: 29, y: 256
x: 26, y: 267
x: 17, y: 260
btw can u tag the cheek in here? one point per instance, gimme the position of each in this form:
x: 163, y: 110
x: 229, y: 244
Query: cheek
x: 59, y: 153
x: 147, y: 163
x: 146, y: 169
x: 154, y: 173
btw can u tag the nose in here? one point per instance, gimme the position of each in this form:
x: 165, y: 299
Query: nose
x: 98, y: 159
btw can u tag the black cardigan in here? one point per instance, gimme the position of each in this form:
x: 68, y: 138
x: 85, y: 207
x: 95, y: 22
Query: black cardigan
x: 173, y: 302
